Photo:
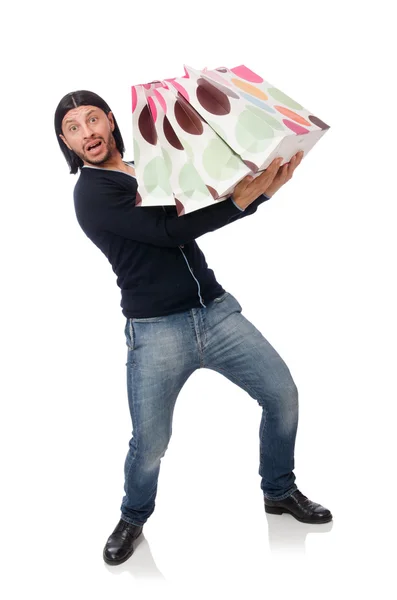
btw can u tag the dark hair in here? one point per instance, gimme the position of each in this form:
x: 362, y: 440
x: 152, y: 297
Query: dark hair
x: 73, y: 100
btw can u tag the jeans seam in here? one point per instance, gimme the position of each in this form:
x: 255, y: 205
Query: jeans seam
x: 131, y: 523
x: 284, y: 496
x: 131, y: 330
x: 263, y: 409
x: 238, y: 381
x: 263, y: 433
x: 220, y: 299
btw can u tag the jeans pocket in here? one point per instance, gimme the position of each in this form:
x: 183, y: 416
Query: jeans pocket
x: 147, y: 319
x: 129, y: 334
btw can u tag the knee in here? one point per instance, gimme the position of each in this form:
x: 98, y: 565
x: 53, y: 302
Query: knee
x: 150, y: 454
x: 281, y: 406
x: 288, y: 407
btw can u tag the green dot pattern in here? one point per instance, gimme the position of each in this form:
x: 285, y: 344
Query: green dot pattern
x: 156, y: 178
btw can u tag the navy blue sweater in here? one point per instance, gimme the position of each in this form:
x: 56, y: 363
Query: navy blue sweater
x: 160, y: 268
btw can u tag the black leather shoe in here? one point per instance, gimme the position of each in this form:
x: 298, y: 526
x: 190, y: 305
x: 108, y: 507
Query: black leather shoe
x: 300, y: 507
x: 119, y: 546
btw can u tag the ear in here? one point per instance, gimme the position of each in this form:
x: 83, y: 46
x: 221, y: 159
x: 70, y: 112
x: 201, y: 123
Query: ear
x: 64, y: 141
x: 111, y: 119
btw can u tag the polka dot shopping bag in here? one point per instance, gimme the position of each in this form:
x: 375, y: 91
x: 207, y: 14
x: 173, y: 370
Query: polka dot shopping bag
x: 197, y: 136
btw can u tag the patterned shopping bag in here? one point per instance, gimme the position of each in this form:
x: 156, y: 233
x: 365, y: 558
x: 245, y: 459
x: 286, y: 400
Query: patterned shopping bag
x: 198, y: 135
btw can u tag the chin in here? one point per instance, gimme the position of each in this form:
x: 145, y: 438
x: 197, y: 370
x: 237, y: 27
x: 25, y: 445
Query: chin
x: 97, y: 161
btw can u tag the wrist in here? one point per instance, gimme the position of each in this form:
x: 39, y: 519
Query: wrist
x: 237, y: 204
x: 270, y: 192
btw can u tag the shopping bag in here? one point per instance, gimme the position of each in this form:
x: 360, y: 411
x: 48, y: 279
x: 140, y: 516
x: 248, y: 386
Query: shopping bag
x: 257, y: 120
x: 151, y: 169
x: 228, y: 123
x: 174, y: 146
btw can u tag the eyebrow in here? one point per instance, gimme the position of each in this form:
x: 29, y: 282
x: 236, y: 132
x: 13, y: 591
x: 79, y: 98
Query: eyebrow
x: 71, y: 120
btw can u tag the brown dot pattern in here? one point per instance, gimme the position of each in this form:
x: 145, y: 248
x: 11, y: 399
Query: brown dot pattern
x: 212, y: 99
x: 171, y: 136
x: 146, y: 126
x: 187, y: 117
x: 318, y: 122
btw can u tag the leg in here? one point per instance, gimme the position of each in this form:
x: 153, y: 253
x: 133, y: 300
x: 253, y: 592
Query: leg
x: 161, y: 357
x: 237, y: 350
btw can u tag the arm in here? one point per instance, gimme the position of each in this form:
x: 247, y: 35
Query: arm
x: 251, y: 208
x: 107, y: 208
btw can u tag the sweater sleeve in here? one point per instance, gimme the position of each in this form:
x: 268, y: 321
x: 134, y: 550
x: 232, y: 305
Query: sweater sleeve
x: 104, y: 207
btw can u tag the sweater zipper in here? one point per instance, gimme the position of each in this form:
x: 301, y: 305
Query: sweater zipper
x: 187, y: 262
x: 196, y: 280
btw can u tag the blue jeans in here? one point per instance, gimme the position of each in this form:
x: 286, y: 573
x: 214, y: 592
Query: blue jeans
x: 163, y: 352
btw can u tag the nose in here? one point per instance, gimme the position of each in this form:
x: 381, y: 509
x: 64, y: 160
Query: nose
x: 87, y: 131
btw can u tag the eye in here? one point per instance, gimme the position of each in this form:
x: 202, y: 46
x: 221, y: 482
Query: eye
x: 70, y: 128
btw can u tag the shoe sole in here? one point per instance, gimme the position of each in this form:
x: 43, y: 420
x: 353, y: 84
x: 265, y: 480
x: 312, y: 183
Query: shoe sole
x: 276, y: 510
x: 121, y: 560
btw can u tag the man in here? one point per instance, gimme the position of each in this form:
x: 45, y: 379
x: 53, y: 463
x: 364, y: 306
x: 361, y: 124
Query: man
x: 178, y: 317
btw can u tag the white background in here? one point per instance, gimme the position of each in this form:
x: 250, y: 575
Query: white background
x: 314, y: 270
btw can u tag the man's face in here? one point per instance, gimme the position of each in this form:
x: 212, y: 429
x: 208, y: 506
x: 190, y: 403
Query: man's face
x: 85, y: 126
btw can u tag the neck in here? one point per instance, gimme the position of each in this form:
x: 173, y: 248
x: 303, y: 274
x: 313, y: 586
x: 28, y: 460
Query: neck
x: 113, y: 162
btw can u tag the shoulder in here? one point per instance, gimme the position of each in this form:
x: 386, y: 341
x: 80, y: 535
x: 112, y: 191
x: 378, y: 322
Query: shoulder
x: 93, y: 190
x: 94, y: 181
x: 97, y: 191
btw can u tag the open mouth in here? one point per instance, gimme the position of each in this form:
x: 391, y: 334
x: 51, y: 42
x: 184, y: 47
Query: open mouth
x: 94, y: 147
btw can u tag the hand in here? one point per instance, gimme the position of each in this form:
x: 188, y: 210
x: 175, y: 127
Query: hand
x: 284, y: 174
x: 248, y: 189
